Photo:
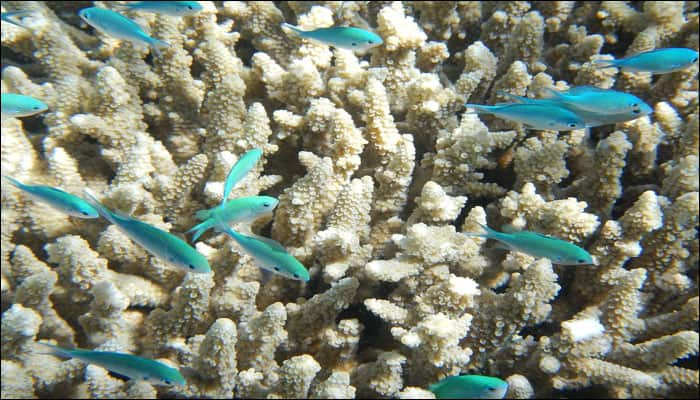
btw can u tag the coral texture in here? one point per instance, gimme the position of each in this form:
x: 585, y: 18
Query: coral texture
x: 378, y: 172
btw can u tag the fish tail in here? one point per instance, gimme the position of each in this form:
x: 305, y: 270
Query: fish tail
x: 203, y: 214
x: 92, y: 200
x: 14, y: 182
x: 292, y: 27
x: 12, y: 17
x: 200, y: 228
x: 489, y: 232
x: 479, y: 108
x: 156, y: 45
x: 605, y: 63
x: 45, y: 348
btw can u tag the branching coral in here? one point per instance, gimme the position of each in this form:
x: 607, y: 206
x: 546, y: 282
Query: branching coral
x: 379, y: 174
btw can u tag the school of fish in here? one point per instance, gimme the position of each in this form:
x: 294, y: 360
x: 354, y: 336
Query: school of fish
x: 577, y: 108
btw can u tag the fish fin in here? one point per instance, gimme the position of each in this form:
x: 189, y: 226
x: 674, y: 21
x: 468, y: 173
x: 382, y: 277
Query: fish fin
x: 199, y: 229
x: 512, y: 97
x: 104, y: 211
x: 272, y: 243
x: 156, y: 44
x: 488, y: 233
x: 502, y: 246
x: 606, y: 63
x: 292, y: 27
x: 553, y: 93
x: 232, y: 179
x: 12, y: 17
x: 14, y: 182
x: 45, y: 348
x: 478, y: 108
x: 203, y: 214
x: 508, y: 228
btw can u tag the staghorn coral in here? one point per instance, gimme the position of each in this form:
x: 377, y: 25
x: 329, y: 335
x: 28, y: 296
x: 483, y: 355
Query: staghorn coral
x: 378, y: 172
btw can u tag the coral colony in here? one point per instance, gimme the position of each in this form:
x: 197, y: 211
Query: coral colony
x: 297, y: 199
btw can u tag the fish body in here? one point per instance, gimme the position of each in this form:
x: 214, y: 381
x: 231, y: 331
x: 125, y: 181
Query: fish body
x: 660, y: 61
x: 129, y: 365
x: 58, y: 199
x: 590, y: 118
x: 344, y: 37
x: 538, y: 245
x: 270, y: 255
x: 605, y: 101
x: 534, y: 115
x: 470, y: 387
x: 14, y: 17
x: 19, y: 105
x: 243, y: 209
x: 174, y: 8
x: 158, y: 242
x: 116, y: 25
x: 239, y: 170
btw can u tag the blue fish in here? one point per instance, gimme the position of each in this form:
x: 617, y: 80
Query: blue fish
x: 470, y: 387
x: 174, y: 8
x: 58, y: 199
x: 19, y: 105
x: 128, y: 365
x: 538, y: 245
x: 660, y: 61
x: 343, y: 37
x: 244, y: 209
x: 158, y: 242
x: 240, y: 169
x: 119, y: 26
x: 590, y: 118
x: 270, y: 255
x: 534, y: 116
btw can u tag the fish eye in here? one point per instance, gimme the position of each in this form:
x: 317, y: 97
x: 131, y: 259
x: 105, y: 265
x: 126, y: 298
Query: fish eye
x: 276, y: 269
x: 145, y: 378
x: 353, y: 44
x: 491, y: 388
x: 167, y: 382
x: 189, y: 7
x: 36, y: 108
x: 266, y: 204
x: 581, y: 261
x: 695, y: 59
x: 84, y: 213
x: 296, y: 276
x: 636, y: 111
x: 86, y: 15
x: 635, y: 105
x: 572, y: 125
x: 191, y: 266
x: 558, y: 258
x: 370, y: 42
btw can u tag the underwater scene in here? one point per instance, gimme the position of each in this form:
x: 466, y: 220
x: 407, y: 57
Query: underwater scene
x: 350, y: 199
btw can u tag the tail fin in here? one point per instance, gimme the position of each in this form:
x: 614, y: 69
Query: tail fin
x: 14, y: 182
x: 479, y: 108
x: 605, y: 63
x: 156, y: 44
x: 15, y: 17
x: 200, y: 228
x: 489, y: 232
x: 92, y: 200
x: 53, y: 350
x: 203, y: 214
x: 292, y: 27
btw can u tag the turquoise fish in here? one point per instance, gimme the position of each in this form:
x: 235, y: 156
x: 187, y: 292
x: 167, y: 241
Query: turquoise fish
x: 58, y: 199
x: 174, y: 8
x: 469, y: 387
x: 19, y: 105
x: 240, y: 169
x: 538, y: 245
x: 116, y: 25
x: 158, y: 242
x: 660, y: 61
x: 244, y: 209
x: 15, y: 17
x: 605, y: 101
x: 129, y: 365
x: 270, y: 255
x: 534, y: 116
x: 590, y: 118
x: 343, y: 37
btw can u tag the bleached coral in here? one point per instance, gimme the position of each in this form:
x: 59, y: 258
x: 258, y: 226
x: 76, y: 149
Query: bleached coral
x: 379, y: 173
